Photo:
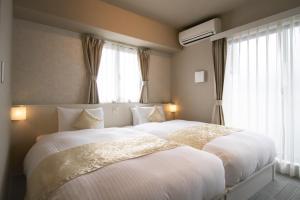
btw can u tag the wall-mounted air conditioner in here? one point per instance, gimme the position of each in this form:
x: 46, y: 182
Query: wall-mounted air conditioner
x: 199, y: 32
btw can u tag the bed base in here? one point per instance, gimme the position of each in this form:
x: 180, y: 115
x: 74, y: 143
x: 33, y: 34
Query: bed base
x: 247, y: 188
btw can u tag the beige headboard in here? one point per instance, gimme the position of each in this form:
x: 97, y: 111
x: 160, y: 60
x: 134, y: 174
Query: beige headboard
x: 42, y: 119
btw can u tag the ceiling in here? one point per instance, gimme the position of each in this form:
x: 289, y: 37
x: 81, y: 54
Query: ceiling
x: 178, y: 13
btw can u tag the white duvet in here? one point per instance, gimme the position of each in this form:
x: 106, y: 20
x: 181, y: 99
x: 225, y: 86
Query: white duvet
x: 180, y: 173
x: 242, y: 153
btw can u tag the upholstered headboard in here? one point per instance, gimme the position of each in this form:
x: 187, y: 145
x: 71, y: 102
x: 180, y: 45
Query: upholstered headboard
x: 42, y: 119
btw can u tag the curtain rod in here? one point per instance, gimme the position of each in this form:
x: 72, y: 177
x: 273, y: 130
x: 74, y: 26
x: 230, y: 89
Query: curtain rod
x: 121, y: 44
x: 116, y: 42
x: 260, y: 22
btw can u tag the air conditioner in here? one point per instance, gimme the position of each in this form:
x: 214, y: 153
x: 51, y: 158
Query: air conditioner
x: 199, y: 32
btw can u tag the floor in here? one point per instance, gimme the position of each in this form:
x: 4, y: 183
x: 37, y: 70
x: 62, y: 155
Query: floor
x: 283, y: 188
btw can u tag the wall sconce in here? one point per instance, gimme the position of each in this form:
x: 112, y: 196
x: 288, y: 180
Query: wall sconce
x: 18, y: 113
x: 172, y: 108
x: 200, y: 76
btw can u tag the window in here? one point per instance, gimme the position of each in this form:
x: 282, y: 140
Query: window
x: 119, y: 78
x: 262, y: 84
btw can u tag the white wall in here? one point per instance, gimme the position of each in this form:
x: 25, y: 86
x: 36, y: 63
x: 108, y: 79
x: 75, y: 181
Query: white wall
x: 195, y: 101
x: 48, y: 67
x: 5, y: 101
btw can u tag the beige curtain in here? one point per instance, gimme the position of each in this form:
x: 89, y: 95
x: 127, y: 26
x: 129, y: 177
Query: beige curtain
x: 219, y: 56
x: 144, y: 64
x: 92, y: 50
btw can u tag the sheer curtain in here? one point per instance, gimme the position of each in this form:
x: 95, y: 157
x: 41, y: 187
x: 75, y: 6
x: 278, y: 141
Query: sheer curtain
x: 119, y: 75
x: 262, y: 87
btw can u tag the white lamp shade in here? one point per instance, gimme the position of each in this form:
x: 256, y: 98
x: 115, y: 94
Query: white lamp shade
x: 200, y: 77
x: 172, y: 108
x: 18, y: 113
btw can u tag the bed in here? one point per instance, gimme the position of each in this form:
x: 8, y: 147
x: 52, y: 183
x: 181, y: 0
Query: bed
x: 167, y: 176
x: 176, y: 173
x: 243, y: 153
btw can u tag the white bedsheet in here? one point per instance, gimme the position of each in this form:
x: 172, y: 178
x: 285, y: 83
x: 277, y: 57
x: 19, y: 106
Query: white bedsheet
x: 180, y: 173
x: 242, y: 153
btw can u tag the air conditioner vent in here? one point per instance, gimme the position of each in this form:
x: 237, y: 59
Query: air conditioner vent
x: 199, y: 32
x: 197, y: 37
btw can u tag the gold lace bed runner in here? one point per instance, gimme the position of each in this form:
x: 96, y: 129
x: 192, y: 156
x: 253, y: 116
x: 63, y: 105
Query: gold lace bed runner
x: 61, y: 167
x: 199, y: 136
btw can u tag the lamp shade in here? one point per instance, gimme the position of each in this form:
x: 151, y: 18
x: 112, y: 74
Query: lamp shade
x: 18, y: 113
x: 172, y: 108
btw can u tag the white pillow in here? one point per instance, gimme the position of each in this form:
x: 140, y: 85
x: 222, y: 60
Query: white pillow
x: 68, y: 116
x: 135, y: 118
x: 142, y: 114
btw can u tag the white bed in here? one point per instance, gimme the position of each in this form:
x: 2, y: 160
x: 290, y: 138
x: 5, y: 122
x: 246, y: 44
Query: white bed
x: 180, y: 173
x: 195, y: 181
x: 243, y: 153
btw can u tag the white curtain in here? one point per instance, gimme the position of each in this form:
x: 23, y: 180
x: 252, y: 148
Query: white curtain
x: 262, y: 87
x: 119, y: 75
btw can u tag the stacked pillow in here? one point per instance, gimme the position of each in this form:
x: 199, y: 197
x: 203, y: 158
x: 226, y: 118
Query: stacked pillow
x: 142, y: 114
x: 78, y: 118
x: 70, y: 119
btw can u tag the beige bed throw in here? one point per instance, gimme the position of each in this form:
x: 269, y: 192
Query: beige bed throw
x: 61, y: 167
x: 198, y: 136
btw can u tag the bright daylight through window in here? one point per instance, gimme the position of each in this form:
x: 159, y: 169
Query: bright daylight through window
x: 119, y: 78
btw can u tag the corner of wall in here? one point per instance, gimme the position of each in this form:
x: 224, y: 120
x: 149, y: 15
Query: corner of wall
x: 5, y: 99
x: 195, y: 101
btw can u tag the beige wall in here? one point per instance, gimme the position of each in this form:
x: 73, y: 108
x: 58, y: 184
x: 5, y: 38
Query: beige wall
x: 195, y: 100
x: 159, y: 77
x: 5, y: 41
x: 254, y: 10
x: 48, y: 67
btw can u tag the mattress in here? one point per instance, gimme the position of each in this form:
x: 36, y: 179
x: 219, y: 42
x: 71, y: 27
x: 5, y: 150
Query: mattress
x: 242, y: 153
x: 179, y: 173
